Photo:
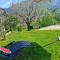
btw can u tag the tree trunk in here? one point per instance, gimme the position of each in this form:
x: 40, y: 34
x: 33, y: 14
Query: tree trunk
x: 28, y: 26
x: 3, y: 37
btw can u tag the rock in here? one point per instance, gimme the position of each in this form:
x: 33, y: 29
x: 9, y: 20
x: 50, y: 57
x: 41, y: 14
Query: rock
x: 59, y: 38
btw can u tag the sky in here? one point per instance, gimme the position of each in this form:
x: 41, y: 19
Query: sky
x: 56, y: 3
x: 6, y: 3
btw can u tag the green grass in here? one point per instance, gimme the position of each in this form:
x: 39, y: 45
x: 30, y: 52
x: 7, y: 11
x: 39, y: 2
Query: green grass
x: 47, y: 40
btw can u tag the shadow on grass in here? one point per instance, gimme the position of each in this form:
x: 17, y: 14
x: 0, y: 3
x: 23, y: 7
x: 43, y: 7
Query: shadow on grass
x: 51, y: 43
x: 36, y: 53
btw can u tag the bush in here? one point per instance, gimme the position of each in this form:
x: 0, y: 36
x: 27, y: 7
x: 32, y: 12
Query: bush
x: 35, y: 24
x: 19, y: 28
x: 47, y: 20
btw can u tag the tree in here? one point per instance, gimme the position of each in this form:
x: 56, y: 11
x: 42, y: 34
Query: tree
x: 57, y: 15
x: 2, y: 31
x: 27, y: 13
x: 29, y: 10
x: 48, y: 19
x: 3, y: 16
x: 11, y: 23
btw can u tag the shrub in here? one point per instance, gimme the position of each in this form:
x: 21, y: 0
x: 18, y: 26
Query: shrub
x: 48, y: 19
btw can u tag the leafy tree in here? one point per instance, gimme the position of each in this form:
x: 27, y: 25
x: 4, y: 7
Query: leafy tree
x: 2, y: 31
x: 3, y: 16
x: 11, y: 23
x: 48, y: 19
x: 57, y: 15
x: 28, y: 11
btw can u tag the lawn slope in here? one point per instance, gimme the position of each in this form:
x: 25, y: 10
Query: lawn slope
x: 46, y: 39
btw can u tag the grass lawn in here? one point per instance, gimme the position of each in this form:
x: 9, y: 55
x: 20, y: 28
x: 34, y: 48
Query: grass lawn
x: 46, y: 40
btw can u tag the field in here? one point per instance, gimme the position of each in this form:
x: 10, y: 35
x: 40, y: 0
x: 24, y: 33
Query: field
x: 46, y: 42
